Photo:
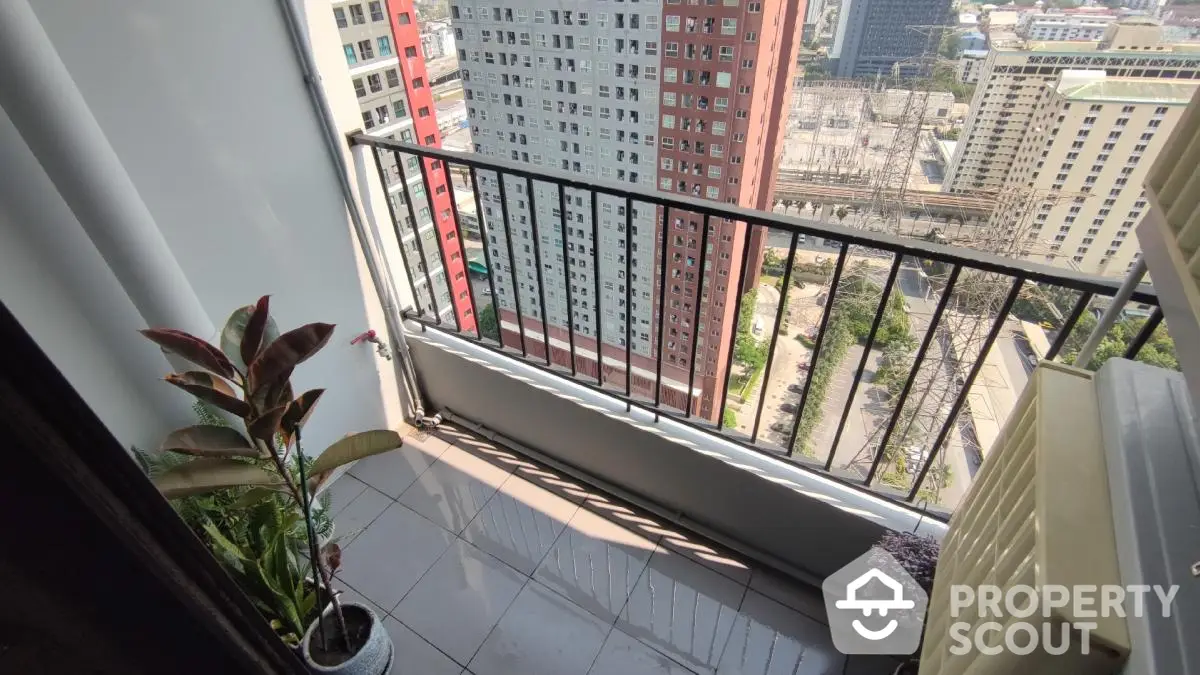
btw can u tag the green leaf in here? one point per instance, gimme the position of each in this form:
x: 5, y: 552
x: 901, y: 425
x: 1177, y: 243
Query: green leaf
x: 208, y: 440
x: 211, y: 473
x: 223, y: 542
x: 206, y: 387
x: 298, y: 412
x: 253, y: 496
x: 265, y: 426
x: 286, y: 352
x: 193, y: 349
x: 235, y: 330
x: 355, y: 447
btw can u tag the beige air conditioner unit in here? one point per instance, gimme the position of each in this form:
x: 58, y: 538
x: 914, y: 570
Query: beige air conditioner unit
x: 1038, y: 514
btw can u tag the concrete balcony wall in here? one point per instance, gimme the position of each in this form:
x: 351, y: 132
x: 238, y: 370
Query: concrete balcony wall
x: 803, y: 523
x: 205, y: 106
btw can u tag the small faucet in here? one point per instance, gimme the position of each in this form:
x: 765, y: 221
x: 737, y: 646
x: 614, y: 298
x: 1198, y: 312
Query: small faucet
x: 371, y: 337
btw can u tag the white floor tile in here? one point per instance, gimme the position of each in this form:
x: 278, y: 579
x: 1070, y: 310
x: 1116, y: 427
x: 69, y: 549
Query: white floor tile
x: 414, y: 655
x: 683, y: 609
x: 460, y: 599
x: 542, y: 633
x: 800, y: 597
x: 623, y: 655
x: 453, y: 489
x: 711, y: 556
x: 358, y: 514
x: 520, y: 523
x: 348, y: 594
x: 342, y: 492
x: 386, y: 560
x: 392, y: 472
x: 770, y: 639
x: 595, y: 563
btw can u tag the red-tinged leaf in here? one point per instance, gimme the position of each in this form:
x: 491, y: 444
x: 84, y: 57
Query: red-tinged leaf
x: 266, y: 425
x: 191, y: 348
x: 208, y: 440
x: 255, y: 328
x: 331, y: 555
x: 298, y: 412
x: 286, y: 352
x: 207, y: 387
x: 235, y: 330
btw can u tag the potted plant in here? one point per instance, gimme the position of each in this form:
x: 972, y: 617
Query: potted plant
x: 918, y: 556
x: 278, y: 556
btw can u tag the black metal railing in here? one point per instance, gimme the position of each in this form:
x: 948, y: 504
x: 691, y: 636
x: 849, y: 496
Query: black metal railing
x: 968, y: 296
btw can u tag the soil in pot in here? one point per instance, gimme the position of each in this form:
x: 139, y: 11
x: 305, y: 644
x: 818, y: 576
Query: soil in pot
x: 333, y: 653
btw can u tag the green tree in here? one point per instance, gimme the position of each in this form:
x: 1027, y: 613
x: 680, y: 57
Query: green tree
x: 488, y: 325
x: 841, y: 213
x: 1159, y: 350
x: 729, y: 421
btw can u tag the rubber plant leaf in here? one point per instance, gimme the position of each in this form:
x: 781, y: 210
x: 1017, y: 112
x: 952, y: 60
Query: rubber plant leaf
x: 208, y: 440
x: 208, y: 387
x: 355, y: 447
x: 193, y: 349
x: 206, y: 474
x: 286, y: 352
x: 242, y: 321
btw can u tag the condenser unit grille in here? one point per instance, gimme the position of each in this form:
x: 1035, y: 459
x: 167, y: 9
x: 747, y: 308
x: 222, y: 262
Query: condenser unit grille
x: 1038, y: 513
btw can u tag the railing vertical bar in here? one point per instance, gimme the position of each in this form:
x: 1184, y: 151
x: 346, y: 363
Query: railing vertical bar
x: 1143, y: 336
x: 662, y: 312
x: 566, y: 267
x: 696, y: 317
x: 779, y: 312
x: 462, y: 248
x: 862, y: 363
x: 537, y: 261
x: 396, y: 227
x: 1068, y: 326
x: 441, y: 244
x: 412, y: 217
x: 912, y: 374
x: 512, y: 265
x: 737, y: 311
x: 1001, y: 317
x: 487, y: 256
x: 596, y: 283
x: 628, y: 302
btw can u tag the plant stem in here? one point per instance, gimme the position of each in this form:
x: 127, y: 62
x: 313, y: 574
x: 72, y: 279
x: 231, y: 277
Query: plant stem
x: 325, y: 578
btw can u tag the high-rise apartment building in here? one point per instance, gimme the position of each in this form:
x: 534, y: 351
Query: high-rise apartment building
x: 689, y: 99
x: 1077, y: 25
x: 1090, y: 143
x: 383, y: 49
x: 875, y: 35
x: 1015, y: 76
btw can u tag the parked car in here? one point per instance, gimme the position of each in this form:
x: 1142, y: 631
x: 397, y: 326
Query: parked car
x: 796, y: 388
x: 788, y: 407
x: 781, y: 427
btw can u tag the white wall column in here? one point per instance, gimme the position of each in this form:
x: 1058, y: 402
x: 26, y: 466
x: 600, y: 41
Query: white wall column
x: 44, y: 104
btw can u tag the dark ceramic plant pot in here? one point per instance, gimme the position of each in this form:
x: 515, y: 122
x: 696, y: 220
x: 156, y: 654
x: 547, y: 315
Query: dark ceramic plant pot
x: 373, y: 658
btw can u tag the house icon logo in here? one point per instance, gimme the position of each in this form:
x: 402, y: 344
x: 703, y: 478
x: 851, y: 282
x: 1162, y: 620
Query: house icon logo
x: 874, y: 606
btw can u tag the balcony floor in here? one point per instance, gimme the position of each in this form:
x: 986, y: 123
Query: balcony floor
x: 484, y: 562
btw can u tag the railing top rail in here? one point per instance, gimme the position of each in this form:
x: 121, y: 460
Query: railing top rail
x: 986, y: 262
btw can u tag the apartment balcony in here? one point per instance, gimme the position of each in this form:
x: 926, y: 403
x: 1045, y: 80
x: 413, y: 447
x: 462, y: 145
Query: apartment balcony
x: 585, y: 505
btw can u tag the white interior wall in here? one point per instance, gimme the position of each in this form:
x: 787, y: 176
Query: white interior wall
x: 205, y: 105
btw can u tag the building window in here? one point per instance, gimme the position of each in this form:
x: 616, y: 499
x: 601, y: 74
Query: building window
x: 747, y: 64
x: 418, y: 83
x: 423, y: 112
x: 751, y: 37
x: 356, y: 14
x: 724, y: 80
x: 351, y: 57
x: 672, y: 24
x: 376, y: 10
x: 403, y: 18
x: 368, y: 120
x: 398, y: 107
x: 373, y: 82
x: 339, y: 15
x: 728, y: 26
x: 385, y: 46
x: 382, y: 113
x: 718, y: 128
x: 358, y: 87
x: 365, y: 50
x: 393, y: 78
x: 409, y: 52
